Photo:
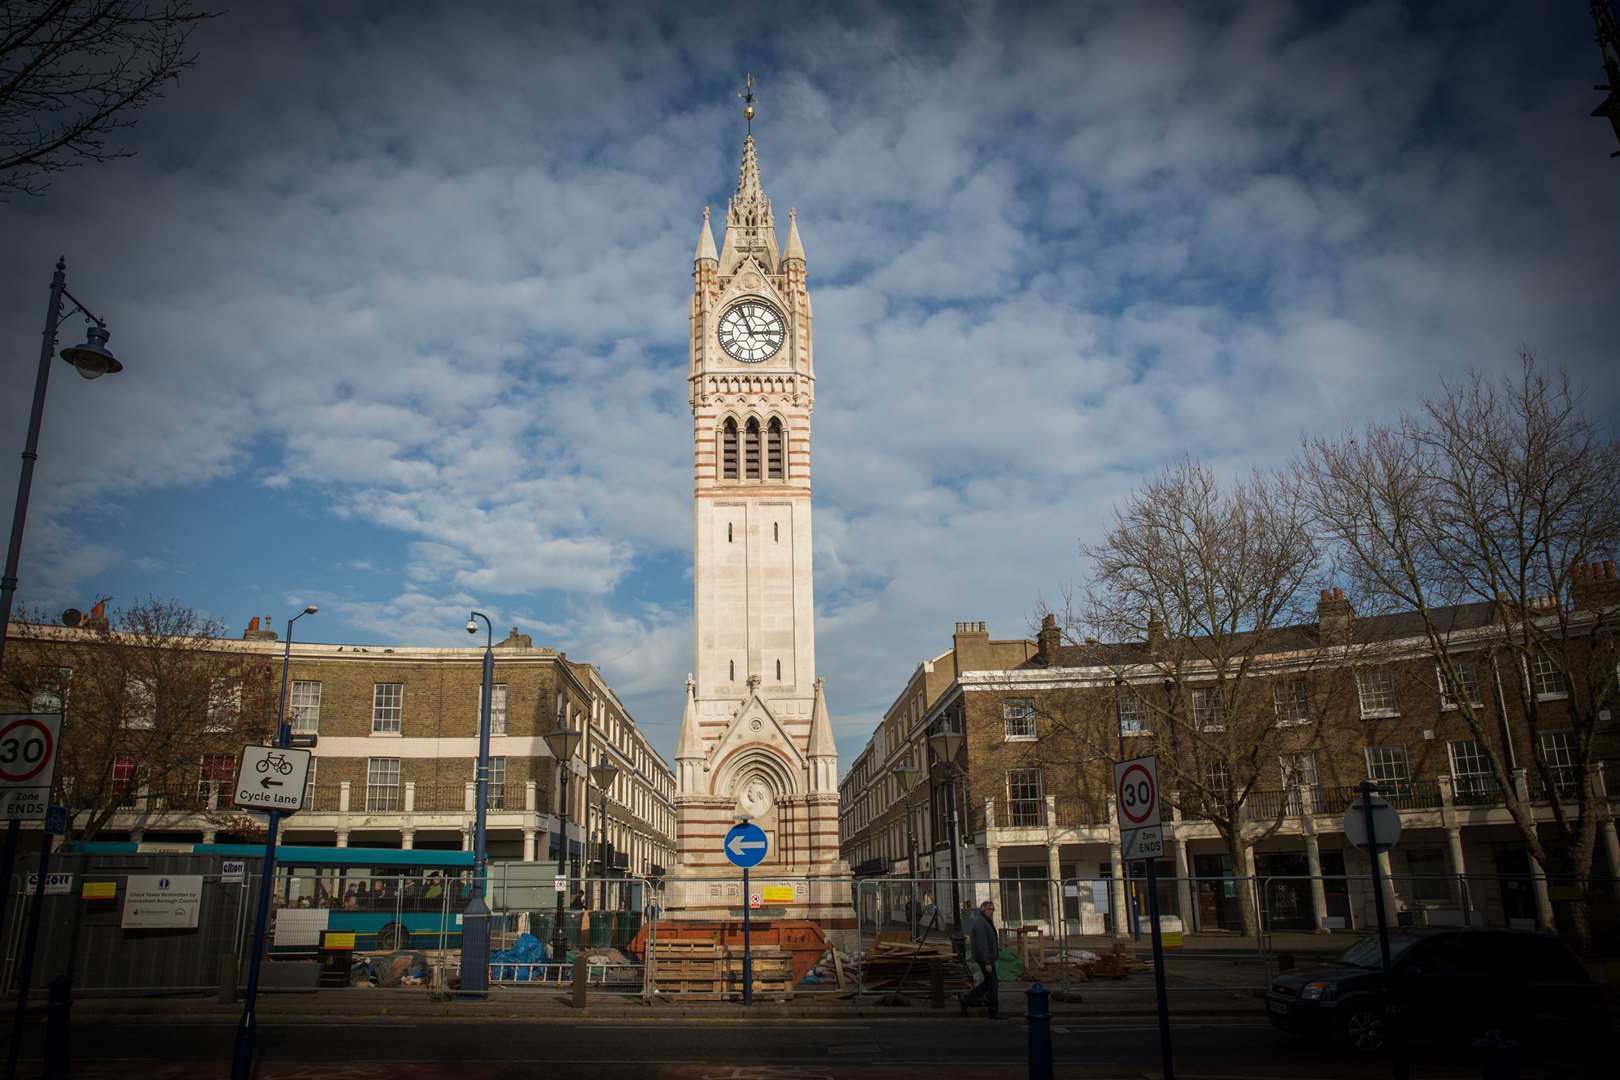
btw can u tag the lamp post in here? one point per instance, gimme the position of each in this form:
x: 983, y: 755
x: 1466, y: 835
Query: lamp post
x: 603, y: 773
x: 1119, y: 730
x: 475, y: 918
x: 242, y: 1052
x: 909, y: 775
x: 946, y: 743
x: 562, y: 741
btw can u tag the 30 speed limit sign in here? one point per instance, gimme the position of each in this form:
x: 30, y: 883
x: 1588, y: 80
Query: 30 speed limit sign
x: 1136, y: 795
x: 28, y: 744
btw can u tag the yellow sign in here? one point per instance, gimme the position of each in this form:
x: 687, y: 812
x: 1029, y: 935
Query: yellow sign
x: 332, y: 939
x: 99, y: 890
x: 1170, y: 939
x: 778, y: 894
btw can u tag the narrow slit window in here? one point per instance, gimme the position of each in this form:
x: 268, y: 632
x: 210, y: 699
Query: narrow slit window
x: 728, y: 532
x: 728, y: 450
x: 779, y: 671
x: 774, y: 450
x: 733, y: 664
x: 751, y: 450
x: 776, y: 530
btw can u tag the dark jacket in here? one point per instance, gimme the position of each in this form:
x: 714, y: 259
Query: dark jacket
x: 982, y: 936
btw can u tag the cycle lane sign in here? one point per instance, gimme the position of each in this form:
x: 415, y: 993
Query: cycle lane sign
x: 271, y: 778
x: 28, y: 746
x: 1136, y: 793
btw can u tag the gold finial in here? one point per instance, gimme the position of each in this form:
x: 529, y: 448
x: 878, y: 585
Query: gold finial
x: 747, y: 95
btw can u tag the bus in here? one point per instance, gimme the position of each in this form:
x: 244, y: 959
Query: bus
x: 388, y: 897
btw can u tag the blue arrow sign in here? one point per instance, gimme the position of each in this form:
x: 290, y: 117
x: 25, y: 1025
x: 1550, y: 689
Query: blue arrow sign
x: 745, y: 845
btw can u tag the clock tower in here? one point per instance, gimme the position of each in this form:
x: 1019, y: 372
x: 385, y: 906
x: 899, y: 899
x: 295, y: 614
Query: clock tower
x: 756, y: 740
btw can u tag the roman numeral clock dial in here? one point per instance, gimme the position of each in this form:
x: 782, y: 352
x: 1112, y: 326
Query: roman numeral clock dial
x: 751, y: 331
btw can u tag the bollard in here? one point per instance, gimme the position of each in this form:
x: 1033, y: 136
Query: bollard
x: 1501, y: 1057
x: 230, y: 974
x: 582, y: 971
x: 1038, y: 1011
x: 59, y: 1030
x: 936, y: 983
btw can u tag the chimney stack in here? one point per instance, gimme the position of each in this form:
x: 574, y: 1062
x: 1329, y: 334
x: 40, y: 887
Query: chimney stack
x: 258, y: 631
x: 1334, y: 617
x: 972, y: 645
x: 1048, y: 640
x: 1155, y: 634
x: 1594, y: 586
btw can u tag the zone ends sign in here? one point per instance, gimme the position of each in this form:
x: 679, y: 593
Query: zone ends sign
x: 28, y: 752
x: 1136, y: 799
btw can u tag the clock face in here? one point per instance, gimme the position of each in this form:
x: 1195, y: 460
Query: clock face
x: 751, y: 331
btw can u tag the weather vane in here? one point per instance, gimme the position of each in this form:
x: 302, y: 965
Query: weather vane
x: 747, y: 94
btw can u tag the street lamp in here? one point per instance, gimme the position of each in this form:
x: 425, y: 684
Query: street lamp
x: 946, y: 743
x: 563, y: 742
x: 909, y: 775
x: 475, y: 918
x: 92, y: 361
x: 603, y: 773
x: 242, y: 1051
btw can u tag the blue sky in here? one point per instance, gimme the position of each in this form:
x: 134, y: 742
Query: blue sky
x: 402, y: 288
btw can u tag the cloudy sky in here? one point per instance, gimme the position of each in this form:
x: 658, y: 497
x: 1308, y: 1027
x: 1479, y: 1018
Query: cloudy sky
x: 402, y: 290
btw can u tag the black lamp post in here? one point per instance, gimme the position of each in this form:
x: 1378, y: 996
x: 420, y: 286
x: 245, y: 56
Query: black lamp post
x: 563, y: 742
x: 946, y: 744
x: 603, y: 773
x: 475, y: 918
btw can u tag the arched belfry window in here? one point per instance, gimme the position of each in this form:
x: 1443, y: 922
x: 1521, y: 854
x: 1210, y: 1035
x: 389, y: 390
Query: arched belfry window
x: 751, y: 449
x: 728, y: 450
x: 775, y: 450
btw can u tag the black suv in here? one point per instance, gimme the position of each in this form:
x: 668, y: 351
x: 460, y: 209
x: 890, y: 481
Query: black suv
x: 1448, y: 984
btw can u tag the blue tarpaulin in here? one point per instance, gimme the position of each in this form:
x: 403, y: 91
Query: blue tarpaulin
x: 511, y: 965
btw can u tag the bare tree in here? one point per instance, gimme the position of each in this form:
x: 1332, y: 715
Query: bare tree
x: 1215, y: 582
x: 73, y: 72
x: 1498, y: 493
x: 146, y: 696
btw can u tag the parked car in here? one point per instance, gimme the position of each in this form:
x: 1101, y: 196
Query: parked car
x: 1448, y: 985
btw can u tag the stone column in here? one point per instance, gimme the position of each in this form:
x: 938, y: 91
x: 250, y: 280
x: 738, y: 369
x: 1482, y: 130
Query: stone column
x: 407, y: 839
x: 1054, y: 883
x: 530, y: 795
x: 1459, y: 869
x: 1611, y: 847
x: 1538, y: 885
x: 466, y: 839
x: 209, y: 836
x: 343, y: 796
x: 343, y: 838
x: 1313, y: 860
x: 410, y: 796
x: 528, y: 845
x: 1184, y: 885
x: 1388, y: 878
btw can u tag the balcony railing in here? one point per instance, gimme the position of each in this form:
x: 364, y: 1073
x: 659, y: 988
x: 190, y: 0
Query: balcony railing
x: 323, y: 797
x: 1020, y: 813
x: 1476, y: 789
x: 440, y: 798
x: 1566, y: 784
x: 1073, y: 810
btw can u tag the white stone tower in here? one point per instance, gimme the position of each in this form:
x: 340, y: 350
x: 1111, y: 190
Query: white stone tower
x: 755, y: 739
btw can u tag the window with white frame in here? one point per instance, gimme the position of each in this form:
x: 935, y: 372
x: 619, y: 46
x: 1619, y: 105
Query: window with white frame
x: 387, y: 707
x: 1559, y: 753
x: 224, y: 704
x: 1207, y: 712
x: 1218, y: 780
x: 309, y: 784
x: 1470, y: 771
x: 497, y: 707
x: 1024, y: 798
x: 1291, y: 700
x: 1133, y: 713
x: 1376, y: 688
x: 1468, y: 678
x: 1298, y: 769
x: 126, y: 777
x: 1018, y: 718
x: 140, y: 704
x: 497, y: 782
x: 50, y: 694
x: 1545, y: 676
x: 304, y: 706
x: 217, y: 774
x: 382, y: 784
x: 1387, y: 765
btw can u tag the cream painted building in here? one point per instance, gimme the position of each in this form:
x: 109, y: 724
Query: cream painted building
x: 756, y: 739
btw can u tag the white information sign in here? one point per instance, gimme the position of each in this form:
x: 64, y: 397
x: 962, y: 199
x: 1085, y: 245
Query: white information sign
x: 271, y: 778
x: 560, y: 884
x: 232, y: 871
x: 162, y: 901
x: 1386, y: 824
x: 300, y: 926
x: 55, y: 884
x: 28, y: 745
x: 1136, y: 795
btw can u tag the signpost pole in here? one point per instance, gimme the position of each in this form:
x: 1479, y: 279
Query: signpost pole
x: 748, y: 956
x: 242, y: 1055
x: 1165, y: 1058
x: 1397, y: 1057
x: 30, y: 944
x: 8, y: 864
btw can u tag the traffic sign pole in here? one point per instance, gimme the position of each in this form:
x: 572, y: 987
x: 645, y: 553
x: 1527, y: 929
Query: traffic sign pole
x: 30, y: 946
x: 1397, y: 1058
x: 1165, y: 1057
x: 745, y: 845
x: 748, y: 955
x: 242, y: 1054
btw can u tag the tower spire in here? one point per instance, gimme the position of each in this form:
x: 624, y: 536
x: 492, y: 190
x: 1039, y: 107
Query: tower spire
x: 705, y: 244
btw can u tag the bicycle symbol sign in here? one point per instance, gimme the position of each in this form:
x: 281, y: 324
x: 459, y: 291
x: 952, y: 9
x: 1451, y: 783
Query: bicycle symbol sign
x: 271, y: 778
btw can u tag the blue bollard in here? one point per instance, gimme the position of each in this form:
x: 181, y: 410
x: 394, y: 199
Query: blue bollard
x: 1038, y: 1011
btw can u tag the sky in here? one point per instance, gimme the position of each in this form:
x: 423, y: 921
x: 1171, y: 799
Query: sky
x: 401, y: 293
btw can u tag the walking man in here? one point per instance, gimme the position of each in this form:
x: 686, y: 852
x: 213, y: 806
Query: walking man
x: 986, y: 947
